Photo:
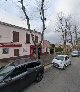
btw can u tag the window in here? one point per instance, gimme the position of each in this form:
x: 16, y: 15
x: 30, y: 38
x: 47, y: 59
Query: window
x: 27, y: 38
x: 4, y: 71
x: 5, y: 50
x: 15, y: 73
x: 33, y: 64
x: 19, y: 70
x: 16, y: 52
x: 36, y: 39
x: 15, y: 36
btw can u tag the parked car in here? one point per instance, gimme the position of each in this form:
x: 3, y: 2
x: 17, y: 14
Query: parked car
x: 75, y: 53
x: 19, y: 74
x: 61, y: 61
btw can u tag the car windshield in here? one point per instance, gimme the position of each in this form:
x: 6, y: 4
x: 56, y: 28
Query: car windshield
x: 4, y: 71
x: 60, y: 58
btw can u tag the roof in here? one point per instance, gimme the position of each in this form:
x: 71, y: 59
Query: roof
x: 18, y: 27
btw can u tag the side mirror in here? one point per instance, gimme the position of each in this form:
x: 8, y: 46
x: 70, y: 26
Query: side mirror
x: 8, y: 79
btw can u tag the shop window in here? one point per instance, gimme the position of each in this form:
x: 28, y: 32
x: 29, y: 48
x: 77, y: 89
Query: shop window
x: 5, y: 50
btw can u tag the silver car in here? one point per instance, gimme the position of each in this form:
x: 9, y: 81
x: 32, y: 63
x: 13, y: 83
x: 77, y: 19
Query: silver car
x: 75, y: 53
x: 61, y: 61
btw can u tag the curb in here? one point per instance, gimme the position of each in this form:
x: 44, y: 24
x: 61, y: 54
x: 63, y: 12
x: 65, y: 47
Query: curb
x: 47, y: 66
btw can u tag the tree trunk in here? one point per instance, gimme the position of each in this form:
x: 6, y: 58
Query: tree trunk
x: 36, y: 52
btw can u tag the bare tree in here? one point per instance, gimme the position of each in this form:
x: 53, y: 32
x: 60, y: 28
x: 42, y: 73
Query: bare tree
x: 28, y: 24
x: 64, y: 27
x: 75, y: 34
x: 75, y: 31
x: 69, y: 27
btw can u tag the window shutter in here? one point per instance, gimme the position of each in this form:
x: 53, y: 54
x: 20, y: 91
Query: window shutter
x: 27, y: 38
x: 15, y: 36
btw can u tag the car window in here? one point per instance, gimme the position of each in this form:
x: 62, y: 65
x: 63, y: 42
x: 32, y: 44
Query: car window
x: 59, y: 58
x: 4, y: 71
x: 18, y: 71
x: 33, y: 64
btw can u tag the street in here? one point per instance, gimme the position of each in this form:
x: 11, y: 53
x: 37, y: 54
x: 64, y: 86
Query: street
x: 57, y: 80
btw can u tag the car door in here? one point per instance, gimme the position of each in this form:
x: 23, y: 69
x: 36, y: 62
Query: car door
x: 25, y: 76
x: 20, y: 78
x: 12, y: 81
x: 17, y: 79
x: 6, y: 85
x: 31, y: 72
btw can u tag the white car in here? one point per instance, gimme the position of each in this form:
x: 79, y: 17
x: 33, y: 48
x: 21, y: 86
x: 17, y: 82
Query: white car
x: 75, y: 53
x: 61, y: 61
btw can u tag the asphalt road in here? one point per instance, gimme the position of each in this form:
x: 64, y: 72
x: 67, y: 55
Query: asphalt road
x: 56, y: 80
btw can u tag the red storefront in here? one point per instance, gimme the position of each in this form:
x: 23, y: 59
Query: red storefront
x: 32, y: 51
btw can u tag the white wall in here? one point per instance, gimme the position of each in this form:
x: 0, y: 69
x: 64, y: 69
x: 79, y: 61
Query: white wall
x: 6, y: 35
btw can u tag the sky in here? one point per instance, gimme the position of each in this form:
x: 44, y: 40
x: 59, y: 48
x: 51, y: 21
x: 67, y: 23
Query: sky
x: 10, y: 12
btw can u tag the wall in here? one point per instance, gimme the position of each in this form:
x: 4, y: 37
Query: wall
x: 6, y: 36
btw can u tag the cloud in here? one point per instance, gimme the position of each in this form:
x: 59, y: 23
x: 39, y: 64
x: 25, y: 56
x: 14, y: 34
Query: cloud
x: 9, y: 12
x: 69, y: 7
x: 53, y: 37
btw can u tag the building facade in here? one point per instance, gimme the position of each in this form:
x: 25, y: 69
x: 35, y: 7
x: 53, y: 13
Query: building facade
x: 16, y: 41
x: 46, y: 47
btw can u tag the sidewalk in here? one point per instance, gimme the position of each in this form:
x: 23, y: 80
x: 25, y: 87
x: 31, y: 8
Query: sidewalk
x: 45, y: 60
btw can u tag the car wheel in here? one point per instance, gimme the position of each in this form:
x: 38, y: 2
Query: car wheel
x: 64, y: 67
x: 39, y: 77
